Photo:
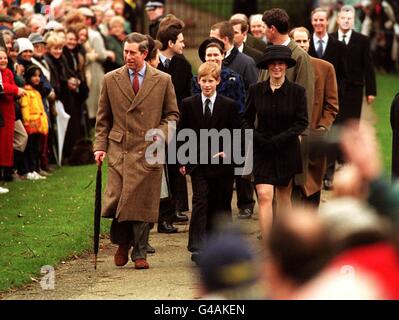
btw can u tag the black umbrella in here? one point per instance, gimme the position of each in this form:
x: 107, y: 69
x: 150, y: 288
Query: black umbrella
x: 97, y: 214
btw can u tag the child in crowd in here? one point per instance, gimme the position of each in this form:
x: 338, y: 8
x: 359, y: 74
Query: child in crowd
x: 35, y: 121
x: 212, y: 182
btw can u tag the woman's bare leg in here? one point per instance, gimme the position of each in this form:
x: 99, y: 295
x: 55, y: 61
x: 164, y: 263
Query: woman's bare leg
x: 283, y: 198
x: 265, y: 209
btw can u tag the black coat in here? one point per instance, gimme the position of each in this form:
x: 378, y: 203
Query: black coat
x: 395, y: 136
x: 180, y: 71
x: 360, y: 76
x: 281, y: 116
x: 224, y: 116
x: 252, y: 52
x: 242, y: 64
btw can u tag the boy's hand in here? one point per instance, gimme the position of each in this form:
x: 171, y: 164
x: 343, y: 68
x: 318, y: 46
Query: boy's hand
x: 220, y: 154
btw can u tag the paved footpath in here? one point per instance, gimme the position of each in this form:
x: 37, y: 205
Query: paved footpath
x: 172, y: 275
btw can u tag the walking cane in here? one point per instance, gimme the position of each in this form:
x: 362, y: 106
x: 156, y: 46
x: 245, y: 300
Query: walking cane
x: 97, y: 214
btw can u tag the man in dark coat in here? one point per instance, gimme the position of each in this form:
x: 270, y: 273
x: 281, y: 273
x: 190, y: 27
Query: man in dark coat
x: 395, y: 136
x: 234, y: 59
x: 172, y: 61
x: 360, y: 68
x: 240, y: 34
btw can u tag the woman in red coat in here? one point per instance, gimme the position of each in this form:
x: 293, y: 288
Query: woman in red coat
x: 7, y: 110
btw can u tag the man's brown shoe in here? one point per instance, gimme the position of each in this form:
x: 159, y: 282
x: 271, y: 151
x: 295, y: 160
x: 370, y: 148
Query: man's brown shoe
x: 122, y: 255
x: 141, y: 264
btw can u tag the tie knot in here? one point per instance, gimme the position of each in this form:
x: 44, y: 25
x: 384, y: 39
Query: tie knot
x: 167, y: 63
x: 207, y: 102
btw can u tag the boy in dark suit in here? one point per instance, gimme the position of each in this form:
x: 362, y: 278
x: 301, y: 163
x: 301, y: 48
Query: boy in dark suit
x: 212, y: 181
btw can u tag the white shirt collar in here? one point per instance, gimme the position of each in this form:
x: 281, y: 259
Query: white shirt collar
x: 228, y: 52
x: 163, y: 58
x: 241, y: 47
x: 286, y: 42
x: 348, y: 35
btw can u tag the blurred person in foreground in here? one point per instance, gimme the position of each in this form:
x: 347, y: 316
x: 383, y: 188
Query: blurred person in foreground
x: 357, y: 233
x: 228, y: 268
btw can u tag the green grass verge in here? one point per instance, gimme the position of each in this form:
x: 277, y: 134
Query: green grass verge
x: 387, y: 86
x: 44, y: 222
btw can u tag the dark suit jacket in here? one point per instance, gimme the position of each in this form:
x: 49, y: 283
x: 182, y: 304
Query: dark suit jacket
x: 251, y: 52
x: 360, y: 75
x: 335, y: 53
x: 395, y: 136
x: 180, y: 71
x: 256, y: 43
x: 224, y: 116
x: 360, y: 65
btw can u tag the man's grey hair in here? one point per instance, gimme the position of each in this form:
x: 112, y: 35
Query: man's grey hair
x: 256, y: 17
x: 348, y: 8
x: 139, y: 38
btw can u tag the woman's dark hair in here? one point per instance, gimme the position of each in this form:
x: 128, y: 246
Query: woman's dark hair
x: 30, y: 71
x: 215, y: 45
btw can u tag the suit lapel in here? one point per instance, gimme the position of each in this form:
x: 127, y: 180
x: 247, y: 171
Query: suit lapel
x: 123, y: 82
x: 198, y: 111
x: 352, y: 41
x: 217, y: 110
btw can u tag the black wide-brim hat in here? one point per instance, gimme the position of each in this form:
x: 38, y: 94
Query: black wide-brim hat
x: 276, y: 52
x: 204, y: 45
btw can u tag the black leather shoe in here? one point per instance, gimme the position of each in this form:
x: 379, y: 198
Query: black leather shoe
x: 150, y: 249
x: 179, y: 217
x: 245, y: 213
x: 166, y: 227
x: 195, y: 257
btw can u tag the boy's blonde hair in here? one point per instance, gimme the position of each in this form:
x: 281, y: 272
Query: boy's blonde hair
x: 209, y: 68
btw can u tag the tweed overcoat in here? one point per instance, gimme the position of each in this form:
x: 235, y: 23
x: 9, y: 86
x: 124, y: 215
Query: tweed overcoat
x: 325, y: 110
x: 123, y: 119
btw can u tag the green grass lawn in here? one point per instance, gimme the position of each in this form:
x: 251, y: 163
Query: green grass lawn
x: 44, y: 222
x: 387, y: 86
